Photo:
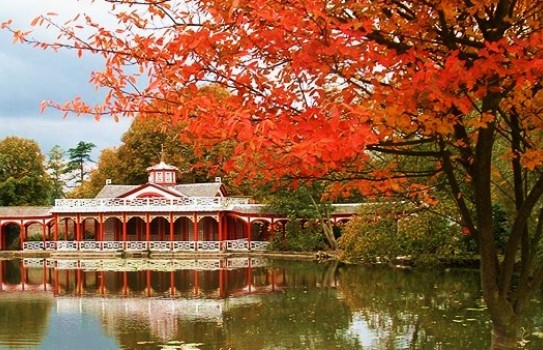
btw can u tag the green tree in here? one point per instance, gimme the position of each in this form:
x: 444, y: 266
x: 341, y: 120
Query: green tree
x: 55, y: 167
x: 79, y: 155
x: 23, y: 178
x: 303, y: 203
x: 108, y: 168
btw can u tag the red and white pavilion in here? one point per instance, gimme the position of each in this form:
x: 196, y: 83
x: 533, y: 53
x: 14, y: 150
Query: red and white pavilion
x: 159, y: 216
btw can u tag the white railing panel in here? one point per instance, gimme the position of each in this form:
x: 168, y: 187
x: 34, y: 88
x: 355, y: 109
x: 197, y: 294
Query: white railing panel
x: 209, y: 246
x: 50, y: 245
x: 90, y: 246
x: 259, y: 245
x: 237, y: 245
x: 112, y: 245
x: 160, y: 246
x: 66, y: 245
x: 136, y: 245
x: 184, y: 246
x: 33, y: 245
x: 33, y: 262
x: 147, y: 204
x: 67, y: 264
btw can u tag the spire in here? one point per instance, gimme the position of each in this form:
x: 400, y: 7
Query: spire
x: 162, y: 153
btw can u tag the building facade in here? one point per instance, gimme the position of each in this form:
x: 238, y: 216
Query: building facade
x: 158, y: 216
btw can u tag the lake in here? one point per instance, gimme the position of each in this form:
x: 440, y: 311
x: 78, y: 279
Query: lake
x: 243, y: 303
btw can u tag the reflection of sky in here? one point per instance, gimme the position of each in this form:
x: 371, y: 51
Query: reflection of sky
x: 79, y: 331
x: 370, y: 338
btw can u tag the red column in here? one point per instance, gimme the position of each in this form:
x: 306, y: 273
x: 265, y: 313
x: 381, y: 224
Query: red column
x: 171, y: 227
x: 78, y: 228
x: 22, y: 232
x: 101, y: 227
x: 196, y: 229
x: 147, y: 228
x: 44, y: 232
x: 249, y: 232
x: 55, y: 232
x: 221, y: 231
x: 124, y: 230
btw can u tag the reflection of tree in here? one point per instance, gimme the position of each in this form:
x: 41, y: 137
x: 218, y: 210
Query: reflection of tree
x: 422, y: 308
x: 24, y: 320
x: 306, y: 315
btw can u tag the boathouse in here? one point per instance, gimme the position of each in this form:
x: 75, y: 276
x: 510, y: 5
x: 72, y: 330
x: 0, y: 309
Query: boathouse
x: 158, y: 216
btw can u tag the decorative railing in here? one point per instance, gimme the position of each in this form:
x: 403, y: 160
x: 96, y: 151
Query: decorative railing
x: 237, y: 245
x: 90, y: 246
x: 153, y: 246
x: 67, y: 245
x: 184, y: 246
x: 230, y: 263
x: 160, y: 246
x: 209, y: 246
x: 136, y: 245
x: 146, y: 204
x: 112, y: 245
x: 33, y: 245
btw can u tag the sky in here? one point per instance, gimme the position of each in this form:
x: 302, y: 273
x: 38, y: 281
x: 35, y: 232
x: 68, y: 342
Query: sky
x: 29, y: 75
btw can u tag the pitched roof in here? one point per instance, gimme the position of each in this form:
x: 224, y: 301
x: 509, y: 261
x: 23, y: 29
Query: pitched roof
x: 16, y: 212
x: 162, y: 166
x: 209, y: 189
x: 114, y: 191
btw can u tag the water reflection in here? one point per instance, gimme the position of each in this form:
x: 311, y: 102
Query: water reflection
x: 240, y: 304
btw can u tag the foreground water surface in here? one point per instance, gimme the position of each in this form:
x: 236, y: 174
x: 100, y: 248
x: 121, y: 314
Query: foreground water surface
x: 243, y: 303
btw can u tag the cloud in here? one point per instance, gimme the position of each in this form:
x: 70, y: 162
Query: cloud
x: 29, y: 75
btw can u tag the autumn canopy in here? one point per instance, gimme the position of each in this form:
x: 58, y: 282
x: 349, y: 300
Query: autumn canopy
x: 323, y: 89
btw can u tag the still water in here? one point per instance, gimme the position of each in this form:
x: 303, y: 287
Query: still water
x: 241, y: 303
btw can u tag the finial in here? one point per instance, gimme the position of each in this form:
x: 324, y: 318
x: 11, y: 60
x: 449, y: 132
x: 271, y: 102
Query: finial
x: 162, y: 153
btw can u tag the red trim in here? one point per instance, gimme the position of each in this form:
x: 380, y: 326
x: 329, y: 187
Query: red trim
x: 155, y: 186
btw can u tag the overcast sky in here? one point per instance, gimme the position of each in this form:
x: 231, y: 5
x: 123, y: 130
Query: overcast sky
x: 29, y: 76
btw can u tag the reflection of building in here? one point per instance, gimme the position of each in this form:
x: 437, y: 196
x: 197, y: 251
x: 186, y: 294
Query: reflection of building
x: 159, y: 216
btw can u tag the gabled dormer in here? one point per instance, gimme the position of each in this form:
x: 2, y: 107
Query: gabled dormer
x: 162, y: 174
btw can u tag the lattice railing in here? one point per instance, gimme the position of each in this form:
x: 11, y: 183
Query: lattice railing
x: 146, y: 204
x: 90, y: 246
x: 259, y: 245
x: 112, y: 245
x: 160, y: 246
x: 137, y: 245
x: 184, y: 246
x: 67, y: 245
x: 33, y: 245
x: 209, y: 246
x: 237, y: 245
x: 157, y: 246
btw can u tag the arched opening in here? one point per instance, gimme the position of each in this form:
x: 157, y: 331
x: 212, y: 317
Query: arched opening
x: 89, y: 229
x: 10, y: 236
x: 113, y: 229
x: 160, y: 229
x: 208, y: 229
x: 135, y: 229
x: 183, y: 229
x: 67, y: 229
x: 260, y: 230
x: 236, y: 228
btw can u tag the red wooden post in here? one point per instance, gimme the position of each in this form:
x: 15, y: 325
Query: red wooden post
x: 196, y: 229
x: 22, y: 232
x: 249, y: 233
x: 124, y: 230
x: 147, y: 227
x: 171, y: 227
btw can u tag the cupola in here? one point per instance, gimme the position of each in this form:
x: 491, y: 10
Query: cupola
x: 162, y: 174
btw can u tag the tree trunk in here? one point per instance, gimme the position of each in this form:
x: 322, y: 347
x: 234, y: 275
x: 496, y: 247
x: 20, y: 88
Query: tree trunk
x: 505, y: 337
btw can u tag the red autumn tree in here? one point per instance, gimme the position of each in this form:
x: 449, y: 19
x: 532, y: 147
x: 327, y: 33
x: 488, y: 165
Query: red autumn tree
x: 320, y: 88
